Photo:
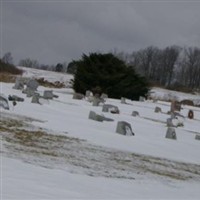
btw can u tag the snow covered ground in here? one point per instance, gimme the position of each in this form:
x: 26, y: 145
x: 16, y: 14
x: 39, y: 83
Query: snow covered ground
x: 63, y: 155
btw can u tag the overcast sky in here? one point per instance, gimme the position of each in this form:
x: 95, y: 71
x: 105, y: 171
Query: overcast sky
x: 58, y: 31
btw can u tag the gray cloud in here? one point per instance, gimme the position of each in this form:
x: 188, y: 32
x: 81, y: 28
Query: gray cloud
x: 60, y: 31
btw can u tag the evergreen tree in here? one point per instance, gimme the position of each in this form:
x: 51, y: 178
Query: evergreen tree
x: 110, y: 74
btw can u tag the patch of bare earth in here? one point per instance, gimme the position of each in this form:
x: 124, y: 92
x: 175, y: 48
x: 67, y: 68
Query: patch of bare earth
x: 22, y: 140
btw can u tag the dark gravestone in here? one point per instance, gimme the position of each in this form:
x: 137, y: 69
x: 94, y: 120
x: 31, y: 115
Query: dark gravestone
x: 157, y: 110
x: 78, y: 96
x: 96, y: 117
x: 135, y: 113
x: 124, y: 128
x: 190, y: 114
x: 15, y: 98
x: 197, y: 137
x: 171, y: 133
x: 35, y: 98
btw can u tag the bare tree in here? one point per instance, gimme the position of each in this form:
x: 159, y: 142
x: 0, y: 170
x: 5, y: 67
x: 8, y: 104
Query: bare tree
x: 7, y: 58
x: 29, y: 63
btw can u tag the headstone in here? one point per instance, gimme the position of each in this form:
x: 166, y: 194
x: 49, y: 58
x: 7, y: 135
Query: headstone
x: 124, y: 128
x: 19, y: 84
x: 175, y: 106
x: 78, y: 96
x: 170, y: 123
x: 88, y: 93
x: 110, y: 108
x: 15, y: 98
x: 157, y: 109
x: 190, y: 114
x: 96, y: 117
x: 171, y: 133
x: 32, y: 84
x: 29, y: 92
x: 142, y: 99
x: 97, y: 101
x: 35, y: 98
x: 197, y: 137
x: 104, y: 96
x: 4, y: 102
x: 135, y: 113
x: 123, y: 100
x: 48, y: 94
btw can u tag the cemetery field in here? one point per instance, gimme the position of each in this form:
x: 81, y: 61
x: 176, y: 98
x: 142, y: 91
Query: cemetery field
x: 52, y: 150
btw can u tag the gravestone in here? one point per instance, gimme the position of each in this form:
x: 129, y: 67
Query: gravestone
x: 32, y: 84
x: 135, y: 113
x: 169, y: 122
x: 78, y: 96
x: 19, y: 84
x: 35, y: 98
x: 142, y: 99
x: 124, y: 128
x: 110, y: 108
x: 4, y: 102
x: 175, y: 106
x: 197, y: 137
x: 96, y: 117
x: 15, y: 98
x: 88, y: 93
x: 104, y: 96
x: 48, y: 94
x: 190, y: 114
x: 171, y: 133
x: 123, y: 100
x: 29, y: 92
x: 97, y: 101
x: 157, y: 109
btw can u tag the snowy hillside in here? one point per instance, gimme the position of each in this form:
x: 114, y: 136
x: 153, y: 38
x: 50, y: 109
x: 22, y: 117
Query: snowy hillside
x: 53, y: 151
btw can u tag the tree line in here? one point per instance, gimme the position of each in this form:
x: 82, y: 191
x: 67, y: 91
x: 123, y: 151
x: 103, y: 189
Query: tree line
x: 172, y: 67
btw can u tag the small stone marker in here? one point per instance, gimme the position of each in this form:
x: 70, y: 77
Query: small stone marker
x: 190, y: 114
x: 142, y: 99
x: 110, y: 108
x: 157, y: 109
x: 94, y: 116
x: 123, y: 100
x: 171, y: 133
x: 88, y: 93
x: 104, y: 96
x: 169, y: 122
x: 124, y: 128
x: 48, y: 94
x: 197, y: 137
x: 78, y: 96
x: 135, y: 113
x: 35, y: 98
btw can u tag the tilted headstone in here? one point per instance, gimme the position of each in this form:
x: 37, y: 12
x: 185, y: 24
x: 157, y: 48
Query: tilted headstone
x: 48, y: 94
x: 123, y: 100
x: 19, y: 84
x: 197, y: 137
x: 135, y: 113
x: 190, y: 114
x: 78, y: 96
x: 96, y: 117
x: 29, y: 92
x: 110, y: 108
x: 171, y: 133
x: 157, y: 109
x: 35, y: 98
x: 32, y: 84
x: 124, y: 128
x: 4, y: 102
